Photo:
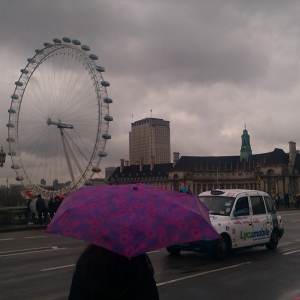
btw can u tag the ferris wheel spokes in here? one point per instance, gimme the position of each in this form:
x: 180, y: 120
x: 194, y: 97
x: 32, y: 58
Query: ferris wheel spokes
x: 51, y: 89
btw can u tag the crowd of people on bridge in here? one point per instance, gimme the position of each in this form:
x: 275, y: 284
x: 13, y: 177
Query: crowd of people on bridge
x: 41, y: 209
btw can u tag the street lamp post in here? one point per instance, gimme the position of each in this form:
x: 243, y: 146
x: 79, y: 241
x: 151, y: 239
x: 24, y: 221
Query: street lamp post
x: 258, y: 174
x: 2, y: 157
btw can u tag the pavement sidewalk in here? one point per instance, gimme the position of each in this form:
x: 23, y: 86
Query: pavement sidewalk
x: 8, y: 228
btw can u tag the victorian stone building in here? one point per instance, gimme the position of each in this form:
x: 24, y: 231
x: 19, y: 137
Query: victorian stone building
x: 274, y: 172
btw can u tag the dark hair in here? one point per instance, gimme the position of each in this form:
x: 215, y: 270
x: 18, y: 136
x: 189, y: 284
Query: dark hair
x: 108, y: 275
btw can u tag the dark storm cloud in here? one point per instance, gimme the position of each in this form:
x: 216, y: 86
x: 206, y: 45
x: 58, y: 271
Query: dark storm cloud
x: 207, y: 66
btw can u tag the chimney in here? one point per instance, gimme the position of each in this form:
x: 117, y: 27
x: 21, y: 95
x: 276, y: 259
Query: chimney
x: 175, y: 158
x: 126, y: 163
x: 141, y: 163
x: 292, y: 153
x: 152, y: 159
x: 121, y: 165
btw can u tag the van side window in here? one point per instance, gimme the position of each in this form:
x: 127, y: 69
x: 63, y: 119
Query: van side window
x: 269, y: 204
x: 258, y: 206
x: 242, y: 207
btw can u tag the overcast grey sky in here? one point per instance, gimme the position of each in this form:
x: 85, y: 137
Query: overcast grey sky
x: 207, y: 66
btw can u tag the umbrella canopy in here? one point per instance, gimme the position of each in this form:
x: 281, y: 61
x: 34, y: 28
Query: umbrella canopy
x: 132, y: 219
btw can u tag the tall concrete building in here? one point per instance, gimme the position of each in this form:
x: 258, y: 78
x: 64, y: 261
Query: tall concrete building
x: 149, y: 142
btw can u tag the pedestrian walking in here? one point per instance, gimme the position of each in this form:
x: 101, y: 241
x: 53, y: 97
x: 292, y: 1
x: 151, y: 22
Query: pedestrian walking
x: 297, y: 200
x: 104, y: 274
x: 286, y: 201
x: 30, y: 215
x: 277, y: 199
x: 51, y: 208
x: 281, y: 202
x: 41, y: 209
x: 57, y: 203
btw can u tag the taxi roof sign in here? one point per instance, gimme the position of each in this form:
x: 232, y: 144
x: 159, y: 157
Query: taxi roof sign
x: 217, y: 192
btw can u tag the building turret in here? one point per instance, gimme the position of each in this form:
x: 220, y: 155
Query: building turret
x: 246, y: 147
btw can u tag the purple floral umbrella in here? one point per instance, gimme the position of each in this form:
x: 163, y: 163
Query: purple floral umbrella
x: 132, y: 219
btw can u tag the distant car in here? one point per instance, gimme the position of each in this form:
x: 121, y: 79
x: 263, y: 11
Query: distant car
x: 243, y: 218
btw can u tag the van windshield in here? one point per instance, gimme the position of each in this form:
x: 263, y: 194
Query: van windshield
x: 218, y: 205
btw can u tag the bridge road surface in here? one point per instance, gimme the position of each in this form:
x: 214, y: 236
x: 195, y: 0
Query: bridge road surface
x: 35, y: 265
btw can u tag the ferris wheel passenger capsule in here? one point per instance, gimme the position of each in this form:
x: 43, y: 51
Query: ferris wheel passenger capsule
x: 88, y: 183
x: 19, y: 178
x: 14, y: 96
x: 11, y: 140
x: 100, y: 69
x: 12, y: 111
x: 47, y: 44
x: 108, y: 118
x: 10, y: 125
x: 102, y: 153
x: 76, y: 42
x: 85, y: 48
x: 24, y: 71
x: 107, y: 100
x: 31, y: 60
x: 96, y: 169
x: 57, y: 41
x: 19, y: 83
x: 93, y: 56
x: 37, y: 51
x: 66, y: 40
x: 105, y: 83
x: 106, y: 136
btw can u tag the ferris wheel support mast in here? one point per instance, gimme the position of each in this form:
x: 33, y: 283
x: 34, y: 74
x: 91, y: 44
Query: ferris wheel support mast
x: 66, y: 154
x: 71, y: 151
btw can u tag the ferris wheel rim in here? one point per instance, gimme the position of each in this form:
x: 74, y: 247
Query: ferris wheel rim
x: 100, y: 85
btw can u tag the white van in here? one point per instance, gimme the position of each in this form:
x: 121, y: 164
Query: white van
x: 243, y: 218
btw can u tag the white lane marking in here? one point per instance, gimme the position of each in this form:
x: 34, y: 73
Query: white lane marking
x: 34, y: 237
x: 8, y: 239
x: 290, y: 214
x: 287, y: 253
x: 153, y: 251
x: 203, y: 273
x: 61, y: 267
x: 20, y: 250
x: 29, y: 252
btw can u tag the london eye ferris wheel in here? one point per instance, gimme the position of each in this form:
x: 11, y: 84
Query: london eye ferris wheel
x: 59, y: 119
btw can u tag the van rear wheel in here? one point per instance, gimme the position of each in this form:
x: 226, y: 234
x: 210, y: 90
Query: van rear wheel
x: 173, y: 251
x: 272, y: 244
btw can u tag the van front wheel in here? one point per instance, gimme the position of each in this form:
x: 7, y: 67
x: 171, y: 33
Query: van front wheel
x: 272, y: 244
x: 222, y: 248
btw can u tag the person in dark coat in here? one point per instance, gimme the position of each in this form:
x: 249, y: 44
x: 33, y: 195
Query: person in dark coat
x: 29, y: 213
x: 51, y: 208
x: 57, y: 202
x: 286, y: 201
x: 41, y: 209
x: 103, y: 274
